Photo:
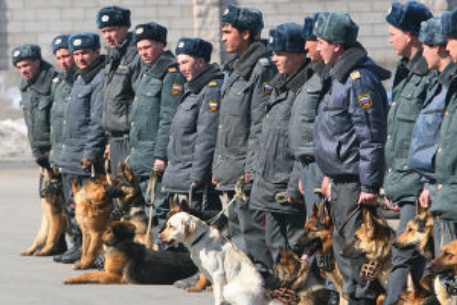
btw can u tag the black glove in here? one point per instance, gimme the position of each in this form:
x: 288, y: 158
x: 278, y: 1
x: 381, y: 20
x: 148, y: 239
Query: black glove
x: 43, y: 161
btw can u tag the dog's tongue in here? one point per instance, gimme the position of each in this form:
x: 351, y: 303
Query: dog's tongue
x: 308, y: 251
x: 304, y: 256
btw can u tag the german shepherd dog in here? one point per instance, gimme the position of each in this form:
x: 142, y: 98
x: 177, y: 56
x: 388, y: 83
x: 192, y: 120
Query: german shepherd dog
x: 125, y: 187
x: 54, y: 222
x: 318, y: 233
x: 129, y: 262
x: 418, y: 293
x: 373, y: 240
x: 418, y: 234
x: 296, y: 277
x: 446, y: 263
x: 92, y: 214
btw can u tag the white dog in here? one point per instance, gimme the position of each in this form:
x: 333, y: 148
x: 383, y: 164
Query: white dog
x: 235, y: 279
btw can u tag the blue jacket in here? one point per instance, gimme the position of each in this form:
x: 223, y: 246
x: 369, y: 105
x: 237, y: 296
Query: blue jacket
x: 193, y: 132
x: 83, y: 135
x: 350, y: 128
x: 424, y: 141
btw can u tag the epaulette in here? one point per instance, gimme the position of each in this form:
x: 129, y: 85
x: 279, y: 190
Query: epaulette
x: 212, y: 83
x: 172, y: 70
x: 355, y: 74
x: 264, y: 61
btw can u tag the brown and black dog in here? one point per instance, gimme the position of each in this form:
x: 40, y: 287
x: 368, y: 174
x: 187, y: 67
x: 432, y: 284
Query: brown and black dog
x: 125, y: 187
x: 92, y: 214
x: 129, y: 262
x: 418, y: 293
x: 318, y: 233
x: 418, y: 234
x: 373, y: 240
x: 54, y: 222
x: 295, y: 274
x: 446, y: 263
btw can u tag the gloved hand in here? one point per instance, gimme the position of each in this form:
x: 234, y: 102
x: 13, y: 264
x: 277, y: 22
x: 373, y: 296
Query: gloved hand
x: 43, y: 161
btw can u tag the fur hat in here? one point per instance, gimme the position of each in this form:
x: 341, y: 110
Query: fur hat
x: 59, y: 42
x: 336, y: 27
x: 308, y: 26
x: 196, y: 47
x: 84, y: 40
x: 287, y: 37
x: 430, y: 33
x: 408, y: 17
x: 152, y: 31
x: 25, y: 51
x: 113, y: 16
x: 243, y: 18
x: 449, y: 23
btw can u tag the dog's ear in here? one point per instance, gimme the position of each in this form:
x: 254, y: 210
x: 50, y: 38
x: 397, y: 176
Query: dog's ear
x: 128, y: 173
x: 189, y: 227
x: 172, y: 203
x: 368, y: 221
x: 185, y: 205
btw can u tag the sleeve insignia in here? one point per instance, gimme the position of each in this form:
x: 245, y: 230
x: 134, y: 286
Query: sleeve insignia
x: 212, y: 84
x: 177, y: 89
x: 172, y: 69
x: 364, y: 100
x: 267, y: 88
x: 355, y: 74
x: 213, y: 105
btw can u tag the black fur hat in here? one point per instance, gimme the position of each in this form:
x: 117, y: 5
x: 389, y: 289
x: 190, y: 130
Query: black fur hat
x: 113, y: 16
x: 243, y: 18
x: 152, y: 31
x: 25, y: 51
x: 408, y: 17
x: 196, y: 47
x: 287, y: 37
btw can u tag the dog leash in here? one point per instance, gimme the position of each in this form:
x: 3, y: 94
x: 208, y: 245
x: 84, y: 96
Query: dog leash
x: 151, y: 189
x: 239, y: 194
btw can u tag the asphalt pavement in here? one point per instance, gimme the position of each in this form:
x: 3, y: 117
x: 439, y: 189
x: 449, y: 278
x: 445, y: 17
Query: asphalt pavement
x: 38, y: 280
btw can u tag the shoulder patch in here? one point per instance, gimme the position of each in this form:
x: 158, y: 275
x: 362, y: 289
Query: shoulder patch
x: 177, y: 89
x: 364, y: 100
x: 212, y: 83
x: 172, y: 69
x: 355, y: 74
x: 267, y: 88
x: 56, y: 79
x: 213, y: 105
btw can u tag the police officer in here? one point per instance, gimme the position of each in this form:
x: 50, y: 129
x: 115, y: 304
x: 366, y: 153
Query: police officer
x: 306, y: 172
x: 349, y: 137
x: 84, y: 139
x: 424, y: 142
x: 284, y: 209
x: 122, y: 70
x: 160, y: 88
x: 402, y: 185
x: 61, y: 92
x: 35, y: 87
x: 193, y: 130
x: 244, y: 96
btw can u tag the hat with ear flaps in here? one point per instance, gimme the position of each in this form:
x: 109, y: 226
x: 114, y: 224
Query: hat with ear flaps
x: 408, y: 17
x: 449, y: 23
x: 336, y: 28
x: 113, y: 16
x: 287, y: 37
x: 25, y: 51
x: 430, y: 33
x: 243, y: 18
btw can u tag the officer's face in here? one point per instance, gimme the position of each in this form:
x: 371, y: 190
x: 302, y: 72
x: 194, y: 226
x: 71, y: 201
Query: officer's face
x: 431, y: 55
x: 64, y: 59
x: 85, y: 57
x: 114, y: 35
x: 29, y: 69
x: 288, y: 63
x: 400, y: 41
x: 311, y: 48
x: 451, y: 47
x: 190, y: 66
x: 235, y: 41
x: 328, y: 51
x: 149, y: 50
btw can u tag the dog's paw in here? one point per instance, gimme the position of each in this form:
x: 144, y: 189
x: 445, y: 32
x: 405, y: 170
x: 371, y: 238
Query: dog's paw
x: 77, y: 265
x: 26, y: 253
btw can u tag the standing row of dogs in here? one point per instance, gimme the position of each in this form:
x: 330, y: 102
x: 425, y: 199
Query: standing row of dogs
x: 129, y: 258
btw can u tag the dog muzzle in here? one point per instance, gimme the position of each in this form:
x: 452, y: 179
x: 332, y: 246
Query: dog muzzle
x: 325, y: 262
x: 371, y: 270
x: 451, y: 285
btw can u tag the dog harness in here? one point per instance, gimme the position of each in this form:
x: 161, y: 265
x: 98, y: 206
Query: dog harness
x: 451, y: 285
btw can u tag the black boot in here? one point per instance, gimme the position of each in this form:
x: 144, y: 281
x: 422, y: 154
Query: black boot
x: 334, y: 298
x: 73, y: 254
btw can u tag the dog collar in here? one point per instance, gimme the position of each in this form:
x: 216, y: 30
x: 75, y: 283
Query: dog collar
x: 198, y: 238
